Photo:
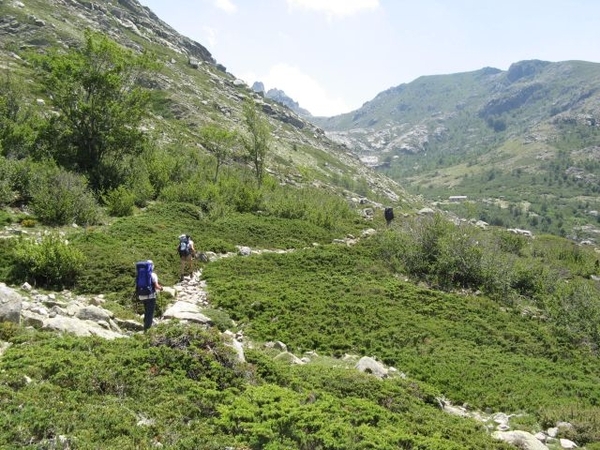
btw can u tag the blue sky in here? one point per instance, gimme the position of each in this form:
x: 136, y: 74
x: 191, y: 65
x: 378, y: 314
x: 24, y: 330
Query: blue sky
x: 331, y: 56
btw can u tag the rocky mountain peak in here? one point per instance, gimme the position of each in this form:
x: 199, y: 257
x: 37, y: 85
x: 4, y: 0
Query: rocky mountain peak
x: 281, y: 97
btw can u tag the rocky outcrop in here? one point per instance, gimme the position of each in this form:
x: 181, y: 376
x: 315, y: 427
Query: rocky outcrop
x: 370, y: 365
x: 116, y: 19
x: 509, y: 101
x: 525, y: 69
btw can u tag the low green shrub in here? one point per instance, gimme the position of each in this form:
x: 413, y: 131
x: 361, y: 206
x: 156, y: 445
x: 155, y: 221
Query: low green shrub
x: 434, y: 249
x: 311, y: 204
x: 5, y: 217
x: 341, y: 300
x: 120, y: 202
x: 28, y: 223
x: 60, y: 197
x: 52, y: 262
x: 220, y: 319
x: 511, y: 242
x: 187, y: 192
x: 8, y: 330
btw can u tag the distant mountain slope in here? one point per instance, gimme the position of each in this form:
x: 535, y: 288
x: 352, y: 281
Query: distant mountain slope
x: 529, y: 135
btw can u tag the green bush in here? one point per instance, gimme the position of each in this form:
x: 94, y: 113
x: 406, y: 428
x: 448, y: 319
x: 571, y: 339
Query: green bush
x: 26, y: 174
x: 28, y: 223
x: 436, y: 250
x: 8, y: 330
x: 244, y: 196
x: 51, y: 263
x: 575, y: 307
x: 511, y: 242
x: 7, y: 195
x: 313, y: 205
x: 5, y: 218
x: 61, y: 197
x: 190, y: 192
x: 217, y: 199
x: 120, y: 202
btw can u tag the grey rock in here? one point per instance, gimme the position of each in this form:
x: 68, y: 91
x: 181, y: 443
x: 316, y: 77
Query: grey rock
x: 8, y: 294
x: 289, y: 357
x: 566, y: 443
x: 520, y: 439
x: 78, y: 327
x: 94, y: 313
x: 11, y: 304
x: 370, y: 365
x: 186, y: 311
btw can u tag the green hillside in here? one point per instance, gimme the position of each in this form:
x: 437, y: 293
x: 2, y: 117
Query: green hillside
x: 111, y: 147
x: 520, y: 144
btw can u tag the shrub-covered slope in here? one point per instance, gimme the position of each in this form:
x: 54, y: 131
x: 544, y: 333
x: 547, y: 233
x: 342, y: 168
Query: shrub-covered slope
x: 116, y: 139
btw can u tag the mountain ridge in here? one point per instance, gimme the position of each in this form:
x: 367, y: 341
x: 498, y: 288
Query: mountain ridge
x: 443, y: 132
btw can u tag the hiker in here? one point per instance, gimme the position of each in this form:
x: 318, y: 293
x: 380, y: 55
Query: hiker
x: 388, y: 213
x: 186, y: 252
x: 147, y: 294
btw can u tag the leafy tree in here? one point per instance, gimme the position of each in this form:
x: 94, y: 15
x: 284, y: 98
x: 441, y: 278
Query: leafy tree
x: 7, y: 194
x: 220, y: 142
x: 16, y: 125
x: 257, y: 141
x: 101, y: 105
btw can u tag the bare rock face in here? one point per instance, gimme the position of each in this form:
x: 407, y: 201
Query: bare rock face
x: 116, y: 19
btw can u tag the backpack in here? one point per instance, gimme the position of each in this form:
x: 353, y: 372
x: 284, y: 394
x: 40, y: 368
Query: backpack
x: 388, y: 214
x: 143, y: 278
x: 184, y: 245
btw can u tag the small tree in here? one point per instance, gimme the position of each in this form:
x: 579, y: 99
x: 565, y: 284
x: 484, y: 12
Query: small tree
x: 101, y: 104
x: 16, y: 119
x: 60, y: 197
x: 257, y: 141
x: 220, y: 142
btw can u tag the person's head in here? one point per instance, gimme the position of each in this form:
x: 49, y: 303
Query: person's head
x: 151, y: 263
x: 188, y: 236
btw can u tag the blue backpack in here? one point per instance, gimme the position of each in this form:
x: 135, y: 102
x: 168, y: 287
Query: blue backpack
x: 143, y: 278
x: 184, y: 245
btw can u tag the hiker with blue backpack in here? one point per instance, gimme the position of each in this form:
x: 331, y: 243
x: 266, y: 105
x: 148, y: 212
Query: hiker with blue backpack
x: 147, y: 287
x: 186, y: 252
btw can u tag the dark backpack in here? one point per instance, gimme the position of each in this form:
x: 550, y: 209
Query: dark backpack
x: 388, y: 213
x: 184, y: 246
x: 143, y: 278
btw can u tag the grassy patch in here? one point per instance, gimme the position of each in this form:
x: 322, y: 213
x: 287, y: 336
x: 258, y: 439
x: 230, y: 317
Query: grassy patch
x: 338, y: 300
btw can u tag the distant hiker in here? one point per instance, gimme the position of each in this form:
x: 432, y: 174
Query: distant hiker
x: 186, y: 252
x: 147, y: 286
x: 388, y: 213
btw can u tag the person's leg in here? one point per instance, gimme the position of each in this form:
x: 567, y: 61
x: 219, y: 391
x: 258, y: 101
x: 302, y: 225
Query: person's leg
x: 191, y: 264
x: 186, y: 265
x: 182, y: 267
x: 149, y: 306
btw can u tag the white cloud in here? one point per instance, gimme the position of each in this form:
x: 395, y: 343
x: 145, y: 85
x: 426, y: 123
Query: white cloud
x: 334, y: 7
x: 226, y: 5
x: 210, y: 35
x: 302, y: 88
